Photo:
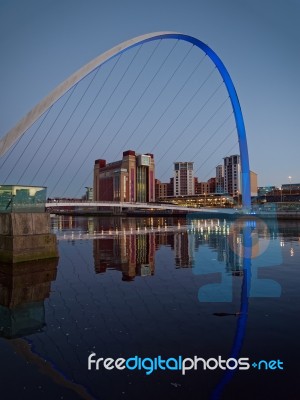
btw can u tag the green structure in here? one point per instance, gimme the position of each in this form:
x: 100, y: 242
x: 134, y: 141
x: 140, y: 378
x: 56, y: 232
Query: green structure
x: 24, y: 225
x: 27, y: 199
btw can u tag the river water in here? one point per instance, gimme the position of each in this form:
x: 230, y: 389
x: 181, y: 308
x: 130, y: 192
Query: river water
x: 160, y: 292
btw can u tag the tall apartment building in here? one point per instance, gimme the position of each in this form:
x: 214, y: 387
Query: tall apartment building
x: 184, y: 178
x: 130, y: 179
x: 220, y: 179
x: 232, y: 175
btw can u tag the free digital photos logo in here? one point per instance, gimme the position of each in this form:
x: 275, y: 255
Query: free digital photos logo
x: 180, y: 363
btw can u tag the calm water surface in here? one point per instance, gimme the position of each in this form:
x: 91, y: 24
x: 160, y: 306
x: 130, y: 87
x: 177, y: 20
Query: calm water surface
x: 154, y: 287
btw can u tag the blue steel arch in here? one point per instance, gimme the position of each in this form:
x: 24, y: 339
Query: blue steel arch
x: 239, y: 120
x: 36, y: 112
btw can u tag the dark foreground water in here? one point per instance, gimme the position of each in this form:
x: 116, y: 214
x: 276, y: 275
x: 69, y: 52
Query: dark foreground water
x: 136, y: 289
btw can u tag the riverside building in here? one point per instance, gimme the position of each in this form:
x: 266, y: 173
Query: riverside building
x: 184, y: 179
x: 130, y: 179
x: 232, y: 175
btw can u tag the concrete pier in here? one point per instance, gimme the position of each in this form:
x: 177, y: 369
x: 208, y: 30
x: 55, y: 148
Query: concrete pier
x: 23, y: 290
x: 26, y: 237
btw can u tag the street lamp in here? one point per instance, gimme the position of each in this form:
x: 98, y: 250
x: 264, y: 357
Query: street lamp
x: 280, y: 195
x: 290, y: 180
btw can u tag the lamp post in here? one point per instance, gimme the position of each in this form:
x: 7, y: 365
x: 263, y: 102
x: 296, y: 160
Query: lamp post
x: 290, y: 181
x: 280, y: 195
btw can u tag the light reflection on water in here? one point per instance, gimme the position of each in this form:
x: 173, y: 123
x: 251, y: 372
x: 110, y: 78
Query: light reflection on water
x: 149, y: 287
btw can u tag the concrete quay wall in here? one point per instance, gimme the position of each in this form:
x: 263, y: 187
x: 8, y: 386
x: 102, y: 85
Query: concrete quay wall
x: 26, y: 237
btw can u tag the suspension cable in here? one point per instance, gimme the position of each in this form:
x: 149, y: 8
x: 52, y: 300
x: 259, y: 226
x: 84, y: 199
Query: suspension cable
x: 116, y: 134
x: 83, y: 118
x: 211, y: 136
x: 227, y: 153
x: 63, y: 128
x: 143, y: 93
x: 43, y: 117
x: 173, y: 99
x: 131, y: 62
x: 191, y: 121
x: 197, y: 133
x: 216, y: 149
x: 71, y: 91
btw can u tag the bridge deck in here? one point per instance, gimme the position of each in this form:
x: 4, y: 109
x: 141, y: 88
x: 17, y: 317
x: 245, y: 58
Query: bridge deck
x: 150, y: 206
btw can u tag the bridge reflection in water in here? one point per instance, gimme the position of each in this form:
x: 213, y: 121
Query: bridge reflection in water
x: 127, y: 243
x: 130, y: 286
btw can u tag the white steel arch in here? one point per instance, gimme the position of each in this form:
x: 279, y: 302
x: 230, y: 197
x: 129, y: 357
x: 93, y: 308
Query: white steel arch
x: 15, y: 133
x: 18, y: 130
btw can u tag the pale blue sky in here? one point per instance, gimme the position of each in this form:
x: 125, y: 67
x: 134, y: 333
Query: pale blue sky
x: 43, y: 41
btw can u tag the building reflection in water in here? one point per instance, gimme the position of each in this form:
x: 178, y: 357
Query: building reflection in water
x: 23, y: 289
x: 132, y: 251
x: 228, y: 242
x: 133, y: 255
x: 128, y: 245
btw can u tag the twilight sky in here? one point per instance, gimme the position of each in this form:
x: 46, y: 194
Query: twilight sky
x: 42, y: 42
